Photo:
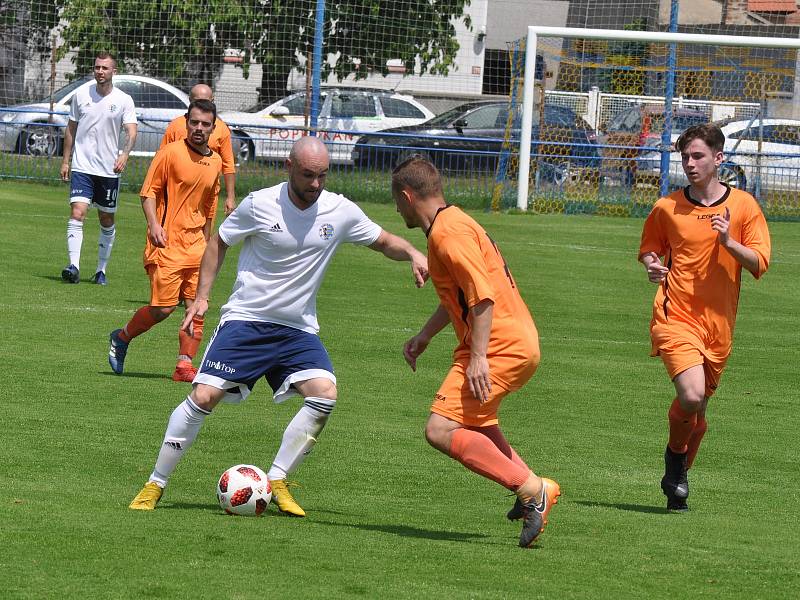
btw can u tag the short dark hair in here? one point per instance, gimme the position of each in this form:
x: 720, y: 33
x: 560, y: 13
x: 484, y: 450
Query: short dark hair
x: 708, y: 132
x: 105, y: 56
x: 204, y: 105
x: 418, y: 174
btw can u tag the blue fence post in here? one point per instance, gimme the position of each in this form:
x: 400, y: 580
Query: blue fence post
x: 317, y: 66
x: 669, y: 93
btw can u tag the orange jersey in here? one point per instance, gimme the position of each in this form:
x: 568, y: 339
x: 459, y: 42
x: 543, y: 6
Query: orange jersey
x: 697, y: 300
x: 184, y: 184
x: 219, y: 142
x: 466, y: 268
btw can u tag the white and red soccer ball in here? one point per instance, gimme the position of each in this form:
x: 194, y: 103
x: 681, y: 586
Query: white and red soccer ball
x: 244, y: 490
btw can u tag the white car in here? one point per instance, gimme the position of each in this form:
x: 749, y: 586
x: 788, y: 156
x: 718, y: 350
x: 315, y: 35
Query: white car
x: 760, y: 154
x: 268, y: 133
x: 28, y: 128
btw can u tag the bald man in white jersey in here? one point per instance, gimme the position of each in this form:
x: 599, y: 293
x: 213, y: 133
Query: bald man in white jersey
x: 268, y: 327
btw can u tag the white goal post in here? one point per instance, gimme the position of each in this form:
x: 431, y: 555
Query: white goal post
x: 534, y: 32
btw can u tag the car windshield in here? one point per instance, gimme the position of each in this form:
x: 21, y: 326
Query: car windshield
x: 61, y: 93
x: 448, y: 116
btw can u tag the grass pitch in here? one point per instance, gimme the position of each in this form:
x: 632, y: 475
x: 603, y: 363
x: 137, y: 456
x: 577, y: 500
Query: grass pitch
x: 389, y: 517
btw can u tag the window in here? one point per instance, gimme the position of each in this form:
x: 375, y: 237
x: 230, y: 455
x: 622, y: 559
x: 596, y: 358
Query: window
x: 484, y: 118
x: 163, y: 98
x: 628, y: 121
x: 297, y: 105
x: 394, y: 107
x: 348, y: 106
x: 133, y: 89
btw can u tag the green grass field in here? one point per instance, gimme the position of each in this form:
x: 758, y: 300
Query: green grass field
x: 389, y: 517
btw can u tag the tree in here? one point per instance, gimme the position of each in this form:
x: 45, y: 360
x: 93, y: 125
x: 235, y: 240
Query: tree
x: 184, y: 41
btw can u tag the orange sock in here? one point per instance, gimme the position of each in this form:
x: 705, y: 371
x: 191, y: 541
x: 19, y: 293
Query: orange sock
x: 141, y: 322
x: 681, y: 425
x: 694, y: 441
x: 189, y: 344
x: 477, y: 453
x: 494, y: 433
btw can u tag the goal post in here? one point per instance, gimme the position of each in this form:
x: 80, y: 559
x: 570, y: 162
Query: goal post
x: 536, y: 32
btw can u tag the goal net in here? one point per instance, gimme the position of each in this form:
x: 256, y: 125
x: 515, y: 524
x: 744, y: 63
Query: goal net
x: 614, y: 156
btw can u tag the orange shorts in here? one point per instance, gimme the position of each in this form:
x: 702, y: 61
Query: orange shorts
x: 170, y: 285
x: 680, y: 356
x: 455, y: 401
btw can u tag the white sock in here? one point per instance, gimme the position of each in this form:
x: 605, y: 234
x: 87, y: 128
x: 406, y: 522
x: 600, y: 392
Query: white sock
x: 300, y: 436
x: 182, y: 429
x: 104, y: 244
x: 74, y: 241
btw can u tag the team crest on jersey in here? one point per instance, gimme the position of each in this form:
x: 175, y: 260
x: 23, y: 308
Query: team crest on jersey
x: 112, y: 108
x: 326, y: 231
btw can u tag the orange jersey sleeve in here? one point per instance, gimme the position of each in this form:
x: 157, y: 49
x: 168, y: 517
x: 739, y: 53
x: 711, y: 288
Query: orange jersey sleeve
x: 466, y: 267
x: 220, y: 142
x: 176, y: 130
x: 698, y: 300
x: 185, y: 185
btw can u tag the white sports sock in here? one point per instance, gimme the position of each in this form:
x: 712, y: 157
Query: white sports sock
x: 182, y: 429
x: 74, y: 241
x: 300, y: 436
x: 104, y: 244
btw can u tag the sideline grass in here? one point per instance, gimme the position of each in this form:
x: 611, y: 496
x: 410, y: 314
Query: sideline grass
x: 389, y: 517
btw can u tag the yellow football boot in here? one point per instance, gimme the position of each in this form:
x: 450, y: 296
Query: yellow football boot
x: 283, y: 498
x: 147, y: 498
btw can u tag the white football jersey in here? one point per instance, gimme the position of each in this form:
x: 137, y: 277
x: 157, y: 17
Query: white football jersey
x: 100, y: 119
x: 286, y: 252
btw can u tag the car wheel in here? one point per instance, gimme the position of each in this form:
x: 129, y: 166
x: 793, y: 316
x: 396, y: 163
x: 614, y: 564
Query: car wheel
x: 245, y: 149
x: 732, y: 175
x: 39, y: 140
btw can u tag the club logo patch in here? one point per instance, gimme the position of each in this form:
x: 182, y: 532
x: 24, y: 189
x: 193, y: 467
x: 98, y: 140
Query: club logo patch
x: 113, y: 108
x: 326, y: 231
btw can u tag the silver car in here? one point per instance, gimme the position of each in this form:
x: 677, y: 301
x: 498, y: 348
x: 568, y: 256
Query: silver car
x: 268, y: 133
x: 31, y: 129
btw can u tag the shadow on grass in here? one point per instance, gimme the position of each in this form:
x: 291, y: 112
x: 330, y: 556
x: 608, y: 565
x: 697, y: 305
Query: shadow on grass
x: 659, y: 510
x: 136, y: 375
x: 408, y: 531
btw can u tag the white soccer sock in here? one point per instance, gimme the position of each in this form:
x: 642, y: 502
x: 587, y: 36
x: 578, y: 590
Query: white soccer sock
x: 182, y: 429
x: 74, y: 241
x: 104, y: 244
x: 300, y: 436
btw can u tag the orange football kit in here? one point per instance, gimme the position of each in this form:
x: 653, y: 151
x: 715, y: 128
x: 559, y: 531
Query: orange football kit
x: 185, y: 185
x: 694, y: 310
x: 219, y: 141
x: 467, y: 268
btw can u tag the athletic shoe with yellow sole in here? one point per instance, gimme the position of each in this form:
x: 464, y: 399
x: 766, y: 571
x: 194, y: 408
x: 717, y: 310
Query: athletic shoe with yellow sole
x: 283, y: 498
x: 147, y: 498
x: 536, y: 515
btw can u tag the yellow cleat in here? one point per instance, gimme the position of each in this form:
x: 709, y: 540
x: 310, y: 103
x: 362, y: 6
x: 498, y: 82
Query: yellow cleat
x: 147, y: 498
x: 283, y: 498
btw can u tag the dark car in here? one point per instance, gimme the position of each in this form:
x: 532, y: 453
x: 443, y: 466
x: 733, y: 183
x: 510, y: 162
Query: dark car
x: 636, y: 131
x: 470, y: 138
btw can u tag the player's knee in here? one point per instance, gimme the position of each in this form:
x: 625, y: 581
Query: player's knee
x: 436, y: 436
x: 692, y: 401
x: 319, y: 388
x: 78, y: 211
x: 206, y: 396
x: 159, y: 313
x: 106, y: 219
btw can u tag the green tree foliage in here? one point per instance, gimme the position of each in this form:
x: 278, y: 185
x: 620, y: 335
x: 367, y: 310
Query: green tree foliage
x: 184, y: 41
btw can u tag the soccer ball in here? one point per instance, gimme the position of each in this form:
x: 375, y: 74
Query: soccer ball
x: 244, y: 490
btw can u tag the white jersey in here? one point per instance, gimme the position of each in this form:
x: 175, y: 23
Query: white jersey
x: 99, y: 119
x: 286, y: 252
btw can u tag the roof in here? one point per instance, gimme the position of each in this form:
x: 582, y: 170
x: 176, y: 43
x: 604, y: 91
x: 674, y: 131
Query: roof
x: 772, y: 6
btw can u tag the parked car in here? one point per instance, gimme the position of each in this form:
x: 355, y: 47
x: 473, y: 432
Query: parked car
x: 635, y: 131
x: 470, y: 137
x: 767, y: 150
x: 268, y: 133
x: 28, y: 128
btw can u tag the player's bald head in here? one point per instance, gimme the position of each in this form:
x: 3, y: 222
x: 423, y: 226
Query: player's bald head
x: 308, y: 149
x: 201, y: 92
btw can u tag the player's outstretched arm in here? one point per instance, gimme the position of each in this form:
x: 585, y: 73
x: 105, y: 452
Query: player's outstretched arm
x: 417, y: 344
x: 210, y: 265
x: 397, y: 248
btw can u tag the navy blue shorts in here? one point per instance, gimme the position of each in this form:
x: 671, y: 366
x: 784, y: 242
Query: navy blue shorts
x: 95, y: 190
x: 242, y: 352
